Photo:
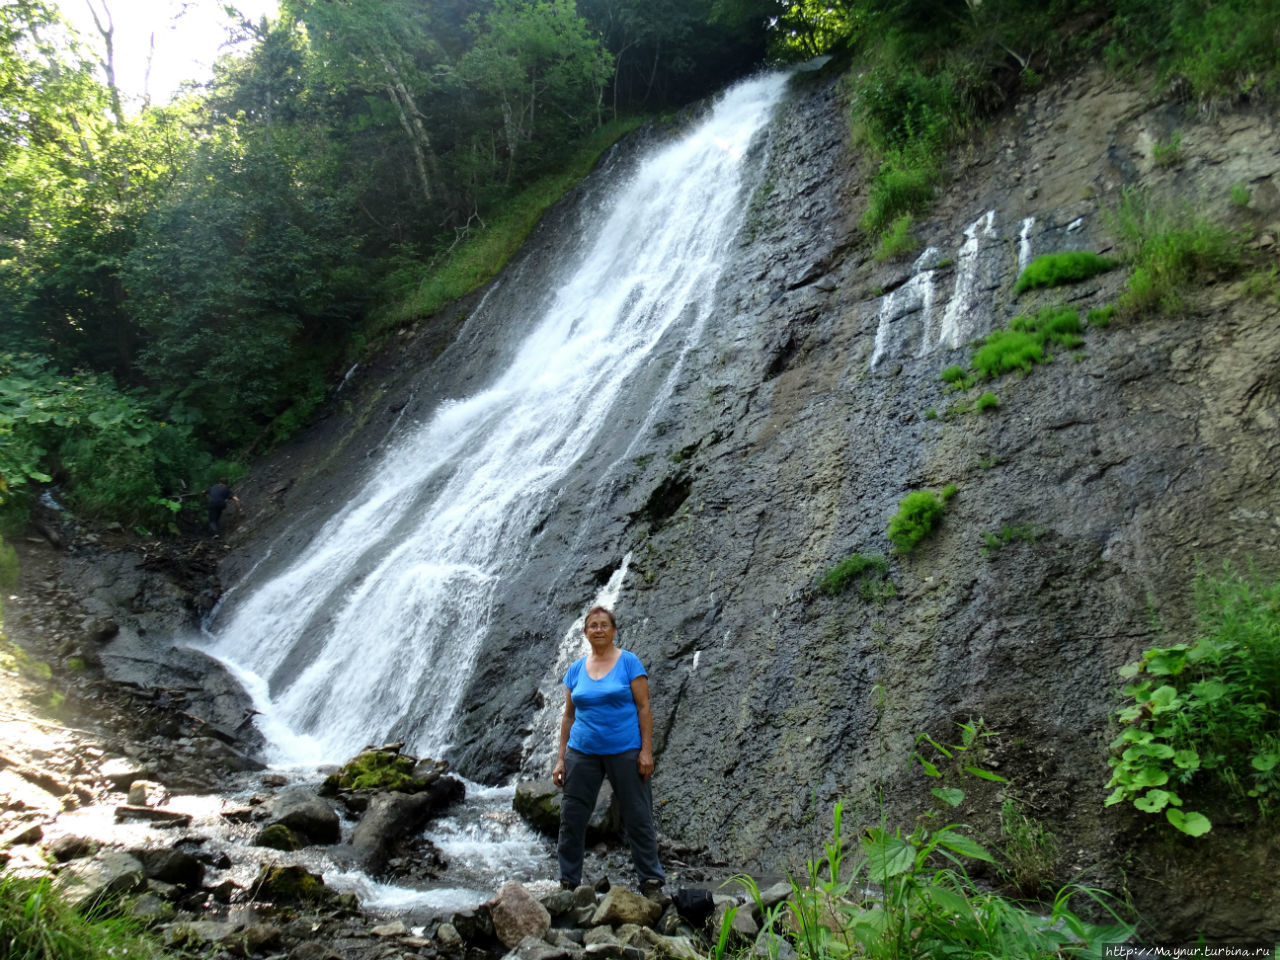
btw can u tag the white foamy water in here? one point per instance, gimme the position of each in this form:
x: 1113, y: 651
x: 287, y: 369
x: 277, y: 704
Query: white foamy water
x: 372, y: 630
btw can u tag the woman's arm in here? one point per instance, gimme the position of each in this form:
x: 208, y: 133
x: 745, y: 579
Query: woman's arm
x: 566, y: 722
x: 640, y: 694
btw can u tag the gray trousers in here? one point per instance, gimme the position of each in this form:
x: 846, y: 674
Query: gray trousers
x: 583, y: 774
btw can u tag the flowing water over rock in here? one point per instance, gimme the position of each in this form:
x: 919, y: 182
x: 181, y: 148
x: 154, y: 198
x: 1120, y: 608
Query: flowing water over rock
x: 373, y: 629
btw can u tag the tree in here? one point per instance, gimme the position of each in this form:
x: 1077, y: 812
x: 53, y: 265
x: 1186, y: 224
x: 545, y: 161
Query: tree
x: 541, y: 67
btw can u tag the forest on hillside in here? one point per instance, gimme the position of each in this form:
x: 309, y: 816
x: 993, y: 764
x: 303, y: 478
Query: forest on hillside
x: 181, y: 284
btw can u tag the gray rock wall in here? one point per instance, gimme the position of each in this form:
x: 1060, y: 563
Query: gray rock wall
x: 803, y: 421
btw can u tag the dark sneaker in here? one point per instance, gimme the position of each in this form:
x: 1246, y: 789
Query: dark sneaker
x: 566, y: 885
x: 652, y: 890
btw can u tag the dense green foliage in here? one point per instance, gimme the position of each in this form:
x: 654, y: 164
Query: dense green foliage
x: 918, y: 513
x: 909, y: 895
x: 360, y: 163
x: 1205, y: 716
x: 36, y: 925
x: 869, y: 573
x: 1055, y: 269
x: 115, y: 456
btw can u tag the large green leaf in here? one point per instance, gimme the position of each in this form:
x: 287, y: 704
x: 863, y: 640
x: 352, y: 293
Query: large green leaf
x: 1193, y: 824
x: 959, y: 843
x: 887, y: 855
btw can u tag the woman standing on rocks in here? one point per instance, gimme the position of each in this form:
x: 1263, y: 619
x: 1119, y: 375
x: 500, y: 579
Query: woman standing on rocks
x: 607, y: 731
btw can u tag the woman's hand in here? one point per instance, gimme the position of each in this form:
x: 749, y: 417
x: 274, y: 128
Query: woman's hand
x: 557, y: 775
x: 645, y: 764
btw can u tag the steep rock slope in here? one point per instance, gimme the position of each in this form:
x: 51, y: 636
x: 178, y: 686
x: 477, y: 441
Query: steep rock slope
x: 799, y: 426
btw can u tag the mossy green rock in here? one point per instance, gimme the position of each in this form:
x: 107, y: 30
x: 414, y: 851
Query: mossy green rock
x: 279, y: 837
x: 383, y: 769
x: 291, y: 884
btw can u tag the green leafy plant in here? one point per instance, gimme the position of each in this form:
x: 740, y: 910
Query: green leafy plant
x: 1241, y: 196
x: 956, y: 377
x: 1055, y: 269
x: 918, y: 513
x: 869, y: 573
x: 1207, y: 711
x: 988, y: 401
x: 910, y: 896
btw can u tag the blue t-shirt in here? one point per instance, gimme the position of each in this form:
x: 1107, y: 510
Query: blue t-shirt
x: 605, y: 720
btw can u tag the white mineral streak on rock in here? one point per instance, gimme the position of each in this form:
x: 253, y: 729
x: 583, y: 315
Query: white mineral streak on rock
x: 892, y: 331
x: 1024, y: 244
x: 957, y: 327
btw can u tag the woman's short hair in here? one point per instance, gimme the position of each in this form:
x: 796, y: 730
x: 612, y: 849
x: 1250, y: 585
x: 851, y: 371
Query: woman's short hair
x: 613, y: 621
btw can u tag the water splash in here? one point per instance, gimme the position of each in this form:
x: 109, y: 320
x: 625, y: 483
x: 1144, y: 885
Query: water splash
x: 373, y: 629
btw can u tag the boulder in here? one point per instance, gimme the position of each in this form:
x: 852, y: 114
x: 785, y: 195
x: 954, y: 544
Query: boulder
x: 120, y: 772
x: 621, y: 906
x: 517, y: 915
x: 680, y: 948
x: 171, y: 866
x: 86, y: 883
x: 291, y: 884
x: 394, y: 817
x: 71, y: 847
x: 448, y: 936
x: 743, y: 926
x: 305, y: 814
x: 196, y: 933
x: 279, y: 837
x: 538, y: 803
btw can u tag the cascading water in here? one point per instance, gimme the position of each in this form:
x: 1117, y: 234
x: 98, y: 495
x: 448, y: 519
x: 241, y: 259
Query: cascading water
x: 371, y: 632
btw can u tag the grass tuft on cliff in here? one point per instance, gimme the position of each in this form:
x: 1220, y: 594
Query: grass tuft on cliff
x: 1056, y: 269
x: 1172, y: 250
x: 870, y: 573
x: 919, y: 512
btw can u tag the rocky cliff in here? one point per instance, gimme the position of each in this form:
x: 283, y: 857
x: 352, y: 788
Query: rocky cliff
x: 813, y: 407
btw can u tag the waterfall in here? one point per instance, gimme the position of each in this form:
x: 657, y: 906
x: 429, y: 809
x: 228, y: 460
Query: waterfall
x: 371, y: 631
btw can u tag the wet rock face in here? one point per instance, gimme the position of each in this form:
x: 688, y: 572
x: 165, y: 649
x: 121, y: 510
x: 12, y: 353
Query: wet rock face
x: 817, y: 406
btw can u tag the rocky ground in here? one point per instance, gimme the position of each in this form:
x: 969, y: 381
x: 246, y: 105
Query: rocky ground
x: 121, y: 790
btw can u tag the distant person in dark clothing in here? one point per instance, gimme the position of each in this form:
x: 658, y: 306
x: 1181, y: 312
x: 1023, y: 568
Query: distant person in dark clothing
x: 219, y: 495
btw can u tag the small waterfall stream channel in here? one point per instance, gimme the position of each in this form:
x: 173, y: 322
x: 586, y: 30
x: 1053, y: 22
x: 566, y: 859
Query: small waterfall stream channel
x: 370, y: 633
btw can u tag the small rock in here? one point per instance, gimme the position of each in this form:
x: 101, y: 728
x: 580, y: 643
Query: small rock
x: 147, y: 793
x: 394, y: 929
x: 621, y: 906
x: 71, y: 847
x: 535, y: 948
x: 448, y: 935
x: 26, y: 833
x: 516, y: 915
